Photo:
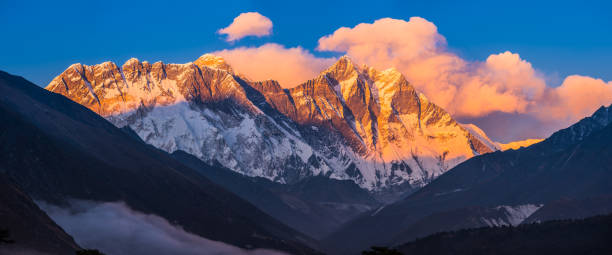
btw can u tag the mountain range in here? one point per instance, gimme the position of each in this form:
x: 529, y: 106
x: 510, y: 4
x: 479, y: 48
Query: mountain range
x: 348, y: 123
x: 352, y: 158
x: 569, y: 169
x: 55, y: 151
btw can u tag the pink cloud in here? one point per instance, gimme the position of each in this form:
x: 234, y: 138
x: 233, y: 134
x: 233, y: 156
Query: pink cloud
x: 503, y: 83
x: 289, y: 66
x: 577, y: 97
x: 247, y: 24
x: 382, y: 42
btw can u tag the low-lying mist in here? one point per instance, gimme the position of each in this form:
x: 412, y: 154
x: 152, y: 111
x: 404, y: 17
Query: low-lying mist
x: 115, y: 229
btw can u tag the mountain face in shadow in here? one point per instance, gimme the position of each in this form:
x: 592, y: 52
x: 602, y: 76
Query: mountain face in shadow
x: 587, y: 236
x: 315, y: 206
x: 572, y: 163
x: 29, y: 228
x: 570, y: 208
x: 57, y: 150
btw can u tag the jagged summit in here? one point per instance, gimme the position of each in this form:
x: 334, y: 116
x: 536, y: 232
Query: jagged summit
x: 585, y: 127
x: 131, y: 61
x: 213, y: 61
x: 343, y: 64
x: 349, y: 122
x: 603, y: 115
x: 110, y: 90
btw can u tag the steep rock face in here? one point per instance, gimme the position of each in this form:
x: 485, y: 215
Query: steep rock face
x: 394, y: 133
x: 201, y: 110
x: 349, y: 122
x: 110, y: 90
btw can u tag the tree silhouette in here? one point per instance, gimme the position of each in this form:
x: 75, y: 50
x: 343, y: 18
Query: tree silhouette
x: 376, y: 250
x: 89, y: 252
x: 4, y: 237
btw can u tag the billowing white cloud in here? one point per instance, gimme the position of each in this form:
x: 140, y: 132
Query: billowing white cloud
x: 386, y: 42
x: 247, y: 24
x: 288, y: 66
x: 577, y: 97
x: 503, y: 83
x: 115, y: 229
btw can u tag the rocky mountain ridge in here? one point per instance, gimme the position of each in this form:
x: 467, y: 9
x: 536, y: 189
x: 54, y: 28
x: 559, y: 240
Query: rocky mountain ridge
x: 348, y: 123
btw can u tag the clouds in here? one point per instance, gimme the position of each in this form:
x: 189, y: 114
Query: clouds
x: 386, y: 41
x: 115, y: 229
x: 503, y: 83
x: 289, y: 66
x: 576, y: 97
x: 247, y: 24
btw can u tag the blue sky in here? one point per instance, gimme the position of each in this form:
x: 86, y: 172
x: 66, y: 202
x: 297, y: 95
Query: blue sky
x: 41, y: 39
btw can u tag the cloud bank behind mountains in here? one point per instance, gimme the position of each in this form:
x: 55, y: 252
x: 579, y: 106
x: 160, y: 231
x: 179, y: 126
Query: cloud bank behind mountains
x: 502, y: 85
x: 288, y: 66
x: 504, y: 82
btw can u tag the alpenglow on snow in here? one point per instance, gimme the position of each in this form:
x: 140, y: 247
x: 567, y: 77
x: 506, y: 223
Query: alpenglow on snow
x: 349, y: 122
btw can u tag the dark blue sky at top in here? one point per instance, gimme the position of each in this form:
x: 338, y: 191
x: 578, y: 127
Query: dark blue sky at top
x: 39, y: 39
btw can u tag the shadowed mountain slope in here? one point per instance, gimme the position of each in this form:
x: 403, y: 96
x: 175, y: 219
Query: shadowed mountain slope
x: 28, y: 226
x: 315, y: 206
x: 572, y: 163
x: 588, y: 236
x: 57, y: 150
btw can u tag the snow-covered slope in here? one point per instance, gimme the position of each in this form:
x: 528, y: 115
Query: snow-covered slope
x: 480, y: 135
x: 198, y: 109
x: 349, y: 122
x: 514, y: 145
x: 510, y: 215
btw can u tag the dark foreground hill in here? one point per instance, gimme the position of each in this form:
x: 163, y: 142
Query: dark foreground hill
x: 26, y: 227
x: 587, y: 236
x: 57, y: 150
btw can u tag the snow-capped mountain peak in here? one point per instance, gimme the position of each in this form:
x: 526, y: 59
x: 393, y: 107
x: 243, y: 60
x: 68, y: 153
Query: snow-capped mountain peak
x: 349, y: 122
x: 213, y: 61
